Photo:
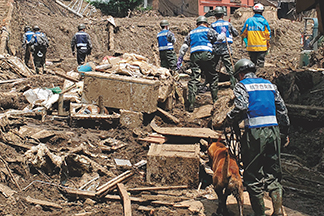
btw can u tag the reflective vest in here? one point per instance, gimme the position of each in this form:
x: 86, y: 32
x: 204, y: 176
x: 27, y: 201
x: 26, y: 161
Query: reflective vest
x: 262, y: 109
x: 81, y: 40
x: 29, y: 35
x: 257, y: 30
x: 217, y: 26
x: 163, y: 41
x: 199, y: 40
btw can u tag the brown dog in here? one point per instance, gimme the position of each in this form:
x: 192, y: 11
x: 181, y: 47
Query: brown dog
x: 226, y: 178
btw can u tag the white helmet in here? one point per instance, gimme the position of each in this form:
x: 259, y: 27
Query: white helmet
x: 258, y: 8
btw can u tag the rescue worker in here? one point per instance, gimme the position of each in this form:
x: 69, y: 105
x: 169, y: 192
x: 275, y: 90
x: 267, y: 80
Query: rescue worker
x: 39, y: 43
x: 257, y: 31
x: 264, y: 111
x: 81, y: 40
x: 222, y: 49
x: 26, y: 43
x: 166, y: 40
x: 200, y: 40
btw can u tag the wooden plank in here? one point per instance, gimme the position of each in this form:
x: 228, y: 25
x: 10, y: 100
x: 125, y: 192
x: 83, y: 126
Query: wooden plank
x: 126, y: 200
x: 66, y: 77
x: 168, y: 115
x: 154, y: 139
x: 186, y: 131
x: 11, y: 80
x: 305, y: 107
x: 202, y: 112
x: 42, y: 202
x: 80, y: 193
x: 69, y: 9
x: 158, y: 188
x: 95, y: 116
x: 6, y: 191
x: 104, y: 190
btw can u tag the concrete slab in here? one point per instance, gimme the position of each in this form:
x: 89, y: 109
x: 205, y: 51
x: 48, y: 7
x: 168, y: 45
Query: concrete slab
x: 172, y: 164
x: 130, y: 119
x: 122, y: 92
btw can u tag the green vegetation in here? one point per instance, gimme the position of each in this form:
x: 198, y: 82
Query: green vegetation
x: 116, y: 8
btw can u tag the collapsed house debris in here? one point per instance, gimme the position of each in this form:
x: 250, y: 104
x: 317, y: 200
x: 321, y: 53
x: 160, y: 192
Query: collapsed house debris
x: 117, y: 138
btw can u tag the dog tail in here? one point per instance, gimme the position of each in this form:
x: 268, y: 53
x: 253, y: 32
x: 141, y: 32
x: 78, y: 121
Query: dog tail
x: 226, y: 174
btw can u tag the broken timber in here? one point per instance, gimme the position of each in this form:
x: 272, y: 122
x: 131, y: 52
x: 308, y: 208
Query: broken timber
x: 69, y: 9
x: 126, y: 200
x: 186, y: 131
x: 105, y: 188
x: 169, y: 116
x: 141, y: 200
x: 157, y: 188
x: 42, y: 202
x: 314, y: 113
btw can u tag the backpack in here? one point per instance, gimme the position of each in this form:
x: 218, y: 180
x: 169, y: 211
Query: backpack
x: 41, y: 41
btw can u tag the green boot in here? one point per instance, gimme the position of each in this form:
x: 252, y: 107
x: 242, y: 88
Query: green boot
x: 276, y: 197
x: 191, y: 100
x: 257, y: 204
x: 233, y: 81
x: 214, y: 94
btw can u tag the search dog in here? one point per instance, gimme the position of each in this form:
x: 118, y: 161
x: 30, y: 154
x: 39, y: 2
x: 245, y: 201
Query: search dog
x: 226, y: 178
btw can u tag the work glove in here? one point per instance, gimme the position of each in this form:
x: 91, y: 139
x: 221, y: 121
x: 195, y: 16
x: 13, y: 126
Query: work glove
x: 245, y: 42
x: 223, y: 30
x: 284, y: 140
x: 284, y: 131
x: 179, y: 62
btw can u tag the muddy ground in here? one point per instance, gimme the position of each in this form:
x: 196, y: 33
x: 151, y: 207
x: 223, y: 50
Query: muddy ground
x: 302, y: 159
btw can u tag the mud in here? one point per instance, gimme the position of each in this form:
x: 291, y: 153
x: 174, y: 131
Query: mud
x: 137, y: 34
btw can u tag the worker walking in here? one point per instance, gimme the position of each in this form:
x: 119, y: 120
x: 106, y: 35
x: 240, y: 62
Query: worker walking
x: 81, y: 40
x: 26, y: 43
x: 200, y: 40
x: 257, y: 31
x: 166, y: 40
x: 264, y: 111
x: 222, y: 49
x: 39, y: 43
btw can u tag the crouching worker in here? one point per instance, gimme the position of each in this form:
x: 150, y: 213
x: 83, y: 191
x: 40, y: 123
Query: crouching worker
x: 259, y: 101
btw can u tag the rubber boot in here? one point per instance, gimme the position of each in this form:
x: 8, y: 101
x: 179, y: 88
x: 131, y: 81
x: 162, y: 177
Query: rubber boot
x: 214, y: 94
x: 233, y: 82
x: 258, y: 207
x: 191, y: 100
x: 276, y: 197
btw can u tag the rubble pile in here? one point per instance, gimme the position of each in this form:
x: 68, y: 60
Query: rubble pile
x: 113, y: 135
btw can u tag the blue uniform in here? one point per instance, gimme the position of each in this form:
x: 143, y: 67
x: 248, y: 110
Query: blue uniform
x: 164, y: 43
x: 264, y: 109
x: 81, y: 40
x: 26, y: 44
x: 199, y: 41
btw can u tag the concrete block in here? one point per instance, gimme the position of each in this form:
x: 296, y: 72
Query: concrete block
x: 122, y: 92
x: 130, y: 119
x: 171, y: 164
